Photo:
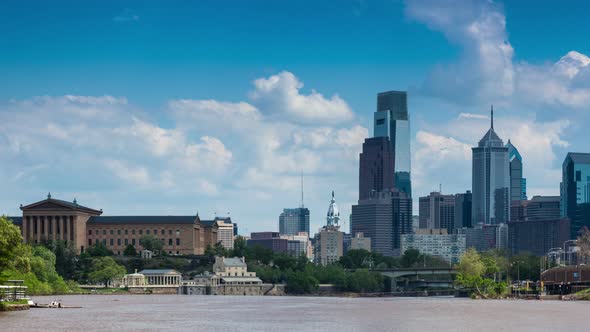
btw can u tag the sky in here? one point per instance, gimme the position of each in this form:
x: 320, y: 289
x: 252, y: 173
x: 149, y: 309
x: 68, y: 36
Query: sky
x: 182, y: 107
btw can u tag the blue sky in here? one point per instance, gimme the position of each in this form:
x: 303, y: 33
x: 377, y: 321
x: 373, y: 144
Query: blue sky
x: 174, y: 107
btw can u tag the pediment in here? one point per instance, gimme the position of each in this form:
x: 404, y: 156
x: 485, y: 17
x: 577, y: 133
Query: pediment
x: 47, y: 206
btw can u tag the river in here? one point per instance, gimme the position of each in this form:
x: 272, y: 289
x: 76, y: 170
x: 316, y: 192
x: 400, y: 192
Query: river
x: 228, y: 313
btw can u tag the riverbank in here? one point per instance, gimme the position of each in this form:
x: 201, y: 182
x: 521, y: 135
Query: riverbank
x: 14, y: 305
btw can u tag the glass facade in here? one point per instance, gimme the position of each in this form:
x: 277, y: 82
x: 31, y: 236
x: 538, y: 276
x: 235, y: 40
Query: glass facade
x: 294, y: 221
x: 392, y: 120
x: 575, y: 191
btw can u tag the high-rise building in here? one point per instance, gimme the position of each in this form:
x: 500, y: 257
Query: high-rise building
x: 485, y: 237
x: 575, y: 191
x: 225, y: 233
x: 376, y: 166
x: 359, y: 241
x: 538, y: 236
x: 383, y: 217
x: 463, y: 209
x: 392, y: 120
x: 294, y: 221
x: 517, y: 181
x: 437, y: 211
x: 490, y: 180
x: 436, y: 242
x: 329, y: 242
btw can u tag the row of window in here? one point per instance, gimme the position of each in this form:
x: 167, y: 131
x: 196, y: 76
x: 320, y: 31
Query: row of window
x: 126, y: 241
x: 126, y: 231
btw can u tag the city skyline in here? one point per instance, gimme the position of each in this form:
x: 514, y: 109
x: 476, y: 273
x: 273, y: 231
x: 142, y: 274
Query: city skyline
x: 131, y: 122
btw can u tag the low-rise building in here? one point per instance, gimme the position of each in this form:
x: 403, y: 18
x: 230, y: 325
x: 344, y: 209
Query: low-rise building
x: 436, y: 242
x: 269, y: 240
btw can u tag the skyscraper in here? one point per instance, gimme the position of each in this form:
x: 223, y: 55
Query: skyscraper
x: 437, y: 211
x: 294, y: 221
x: 575, y: 191
x: 392, y: 120
x: 463, y: 209
x: 517, y: 181
x: 383, y: 217
x: 490, y: 179
x: 376, y: 166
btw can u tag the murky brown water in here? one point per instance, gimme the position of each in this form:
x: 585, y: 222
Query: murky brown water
x: 225, y: 313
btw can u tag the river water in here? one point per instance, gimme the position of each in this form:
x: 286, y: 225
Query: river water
x: 229, y: 313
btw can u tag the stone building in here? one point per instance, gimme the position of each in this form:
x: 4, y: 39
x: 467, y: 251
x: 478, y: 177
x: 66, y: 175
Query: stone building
x: 54, y: 219
x: 230, y: 277
x: 162, y: 277
x: 359, y: 241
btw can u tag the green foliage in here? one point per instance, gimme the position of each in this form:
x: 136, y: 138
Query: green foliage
x: 65, y: 258
x: 151, y: 243
x: 10, y: 239
x: 301, y: 283
x: 240, y: 248
x: 217, y: 250
x: 130, y: 250
x: 525, y: 266
x: 479, y: 272
x: 105, y: 269
x: 98, y: 250
x: 363, y: 281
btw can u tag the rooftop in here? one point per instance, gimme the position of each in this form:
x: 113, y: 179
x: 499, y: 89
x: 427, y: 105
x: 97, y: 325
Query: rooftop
x: 578, y: 157
x: 108, y: 220
x: 159, y: 272
x: 235, y: 261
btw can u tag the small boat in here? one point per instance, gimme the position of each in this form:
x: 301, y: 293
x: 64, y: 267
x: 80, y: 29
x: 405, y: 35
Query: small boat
x: 52, y: 305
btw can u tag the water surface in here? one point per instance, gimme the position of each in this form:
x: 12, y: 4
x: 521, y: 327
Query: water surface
x: 231, y: 313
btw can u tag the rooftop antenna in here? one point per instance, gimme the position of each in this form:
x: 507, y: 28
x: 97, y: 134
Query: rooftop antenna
x: 492, y: 117
x: 440, y: 188
x: 302, y: 206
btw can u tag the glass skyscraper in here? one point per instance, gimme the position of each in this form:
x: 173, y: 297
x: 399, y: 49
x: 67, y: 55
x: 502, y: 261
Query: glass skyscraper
x: 294, y: 221
x: 392, y: 120
x: 517, y: 182
x: 575, y: 191
x: 490, y: 180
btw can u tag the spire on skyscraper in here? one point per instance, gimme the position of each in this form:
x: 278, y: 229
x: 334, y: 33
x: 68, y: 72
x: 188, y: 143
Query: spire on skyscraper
x: 492, y: 116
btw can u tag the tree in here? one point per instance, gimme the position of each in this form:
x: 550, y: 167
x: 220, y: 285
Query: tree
x: 410, y: 258
x: 356, y: 259
x: 151, y: 243
x: 105, y: 269
x: 301, y: 283
x: 130, y: 250
x: 98, y: 250
x: 65, y: 258
x: 240, y: 249
x: 364, y: 281
x: 216, y: 250
x: 10, y: 239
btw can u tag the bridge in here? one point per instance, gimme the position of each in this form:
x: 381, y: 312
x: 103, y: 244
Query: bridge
x: 412, y: 278
x: 408, y: 272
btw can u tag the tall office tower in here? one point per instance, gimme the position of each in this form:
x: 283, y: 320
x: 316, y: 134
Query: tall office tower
x: 437, y: 211
x: 376, y: 167
x: 517, y: 182
x: 392, y: 120
x: 463, y: 209
x: 575, y: 191
x: 490, y: 180
x: 294, y: 221
x: 384, y: 217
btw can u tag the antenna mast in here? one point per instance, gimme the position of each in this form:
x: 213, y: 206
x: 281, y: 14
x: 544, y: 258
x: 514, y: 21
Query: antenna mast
x: 302, y: 206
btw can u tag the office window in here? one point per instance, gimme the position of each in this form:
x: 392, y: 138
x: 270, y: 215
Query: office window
x: 126, y: 241
x: 118, y: 232
x: 89, y: 232
x: 578, y: 176
x: 118, y: 242
x: 112, y: 242
x: 177, y: 242
x: 126, y: 232
x: 169, y: 242
x: 112, y: 232
x: 104, y: 232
